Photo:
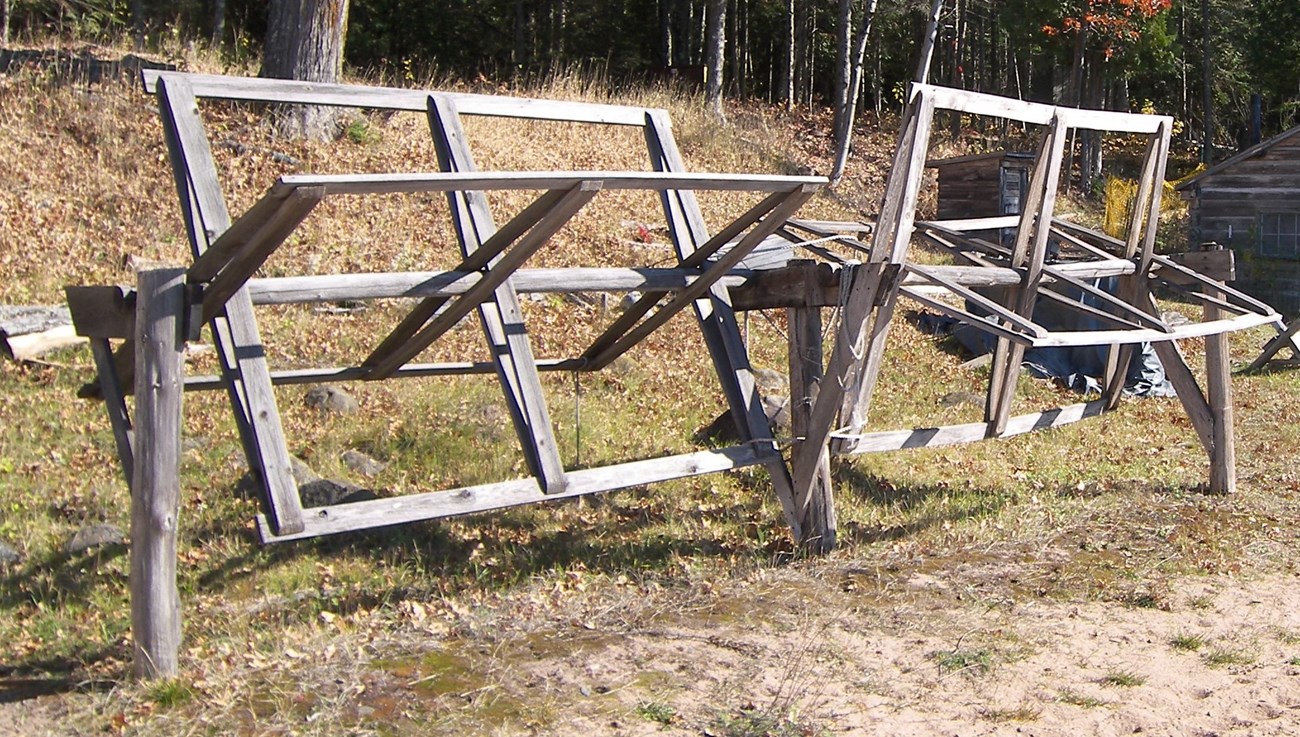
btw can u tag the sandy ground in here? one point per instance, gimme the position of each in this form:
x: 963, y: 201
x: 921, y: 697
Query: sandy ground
x: 1050, y: 667
x: 935, y: 656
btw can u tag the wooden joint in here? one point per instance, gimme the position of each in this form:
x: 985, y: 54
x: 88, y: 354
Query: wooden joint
x: 192, y: 327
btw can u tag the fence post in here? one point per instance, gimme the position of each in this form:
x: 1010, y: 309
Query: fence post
x: 155, y: 601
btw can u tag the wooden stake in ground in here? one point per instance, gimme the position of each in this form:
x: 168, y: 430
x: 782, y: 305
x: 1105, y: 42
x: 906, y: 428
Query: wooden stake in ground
x: 155, y: 602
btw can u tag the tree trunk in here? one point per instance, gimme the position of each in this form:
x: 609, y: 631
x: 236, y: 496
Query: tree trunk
x: 788, y: 70
x: 1207, y: 89
x: 681, y: 33
x: 4, y: 24
x: 717, y: 45
x: 312, y: 51
x: 844, y: 116
x: 927, y: 44
x: 137, y: 23
x: 843, y: 62
x: 218, y: 21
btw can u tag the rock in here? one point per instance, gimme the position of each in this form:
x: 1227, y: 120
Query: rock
x: 94, y: 536
x: 329, y: 399
x: 957, y: 399
x: 771, y: 382
x: 362, y: 463
x: 9, y: 556
x: 723, y: 429
x: 302, y: 473
x: 327, y: 492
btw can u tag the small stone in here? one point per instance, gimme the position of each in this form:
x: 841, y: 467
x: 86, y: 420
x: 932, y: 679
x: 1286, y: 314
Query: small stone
x: 9, y: 556
x: 362, y: 463
x: 330, y: 399
x: 585, y: 691
x: 957, y: 399
x: 327, y: 493
x: 302, y: 473
x: 771, y: 382
x: 94, y: 536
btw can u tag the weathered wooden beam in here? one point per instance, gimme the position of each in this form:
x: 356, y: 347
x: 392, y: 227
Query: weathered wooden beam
x: 934, y: 437
x: 155, y: 499
x: 504, y: 494
x: 817, y: 511
x: 413, y: 182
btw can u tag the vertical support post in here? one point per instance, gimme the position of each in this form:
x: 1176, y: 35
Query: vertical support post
x: 155, y: 601
x: 816, y: 509
x: 1218, y: 389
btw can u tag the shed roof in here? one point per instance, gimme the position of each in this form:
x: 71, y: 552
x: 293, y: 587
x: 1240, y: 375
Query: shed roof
x: 1250, y: 153
x: 1011, y: 155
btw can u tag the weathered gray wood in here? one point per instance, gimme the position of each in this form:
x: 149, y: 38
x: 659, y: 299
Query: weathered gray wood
x: 235, y: 331
x: 817, y: 511
x: 1285, y: 338
x: 360, y: 96
x: 473, y: 262
x: 102, y: 311
x: 155, y: 502
x: 248, y: 257
x: 504, y: 494
x: 502, y: 267
x: 119, y: 419
x: 359, y: 373
x: 1218, y: 389
x: 717, y: 318
x: 1030, y: 252
x: 27, y: 332
x: 407, y: 183
x: 697, y: 289
x: 501, y: 319
x: 934, y: 437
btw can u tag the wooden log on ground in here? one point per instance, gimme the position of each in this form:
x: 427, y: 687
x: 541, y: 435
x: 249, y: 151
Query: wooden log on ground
x: 155, y: 601
x: 29, y: 332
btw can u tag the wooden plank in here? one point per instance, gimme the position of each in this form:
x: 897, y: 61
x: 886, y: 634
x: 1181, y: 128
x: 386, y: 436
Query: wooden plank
x: 119, y: 419
x: 496, y: 274
x: 934, y: 437
x: 479, y: 258
x: 248, y: 257
x: 616, y: 331
x: 358, y: 373
x: 1286, y: 338
x: 254, y: 89
x: 504, y: 494
x: 235, y: 332
x: 338, y: 287
x: 1039, y: 204
x: 805, y: 359
x: 1218, y: 389
x: 155, y: 499
x: 102, y: 311
x: 717, y: 319
x: 501, y: 319
x: 686, y: 297
x: 415, y: 182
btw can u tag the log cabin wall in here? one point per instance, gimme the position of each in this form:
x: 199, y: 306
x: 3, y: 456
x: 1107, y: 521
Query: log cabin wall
x: 982, y: 185
x: 1251, y: 204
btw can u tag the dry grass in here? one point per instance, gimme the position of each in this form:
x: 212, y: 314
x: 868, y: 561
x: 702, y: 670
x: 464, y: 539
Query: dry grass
x: 431, y: 622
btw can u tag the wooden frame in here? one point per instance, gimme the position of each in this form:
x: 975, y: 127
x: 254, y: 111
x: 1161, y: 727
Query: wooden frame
x: 228, y: 252
x: 873, y: 288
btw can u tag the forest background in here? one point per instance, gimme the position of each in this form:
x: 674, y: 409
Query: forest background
x: 1228, y: 71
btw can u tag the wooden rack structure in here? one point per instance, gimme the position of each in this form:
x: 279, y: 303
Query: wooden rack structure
x: 219, y: 288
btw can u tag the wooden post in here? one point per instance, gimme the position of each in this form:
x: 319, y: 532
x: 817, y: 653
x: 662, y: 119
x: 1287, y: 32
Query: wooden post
x: 155, y: 602
x: 1218, y: 390
x: 816, y: 509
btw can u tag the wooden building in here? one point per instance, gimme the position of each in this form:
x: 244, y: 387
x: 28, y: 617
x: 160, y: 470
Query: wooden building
x: 982, y: 186
x: 1250, y: 203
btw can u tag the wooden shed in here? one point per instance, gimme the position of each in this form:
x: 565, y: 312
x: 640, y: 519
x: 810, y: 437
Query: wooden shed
x: 982, y: 186
x: 1250, y: 203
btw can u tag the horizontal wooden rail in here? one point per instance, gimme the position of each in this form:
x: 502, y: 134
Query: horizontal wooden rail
x: 501, y: 495
x: 411, y: 182
x: 246, y: 89
x: 934, y: 437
